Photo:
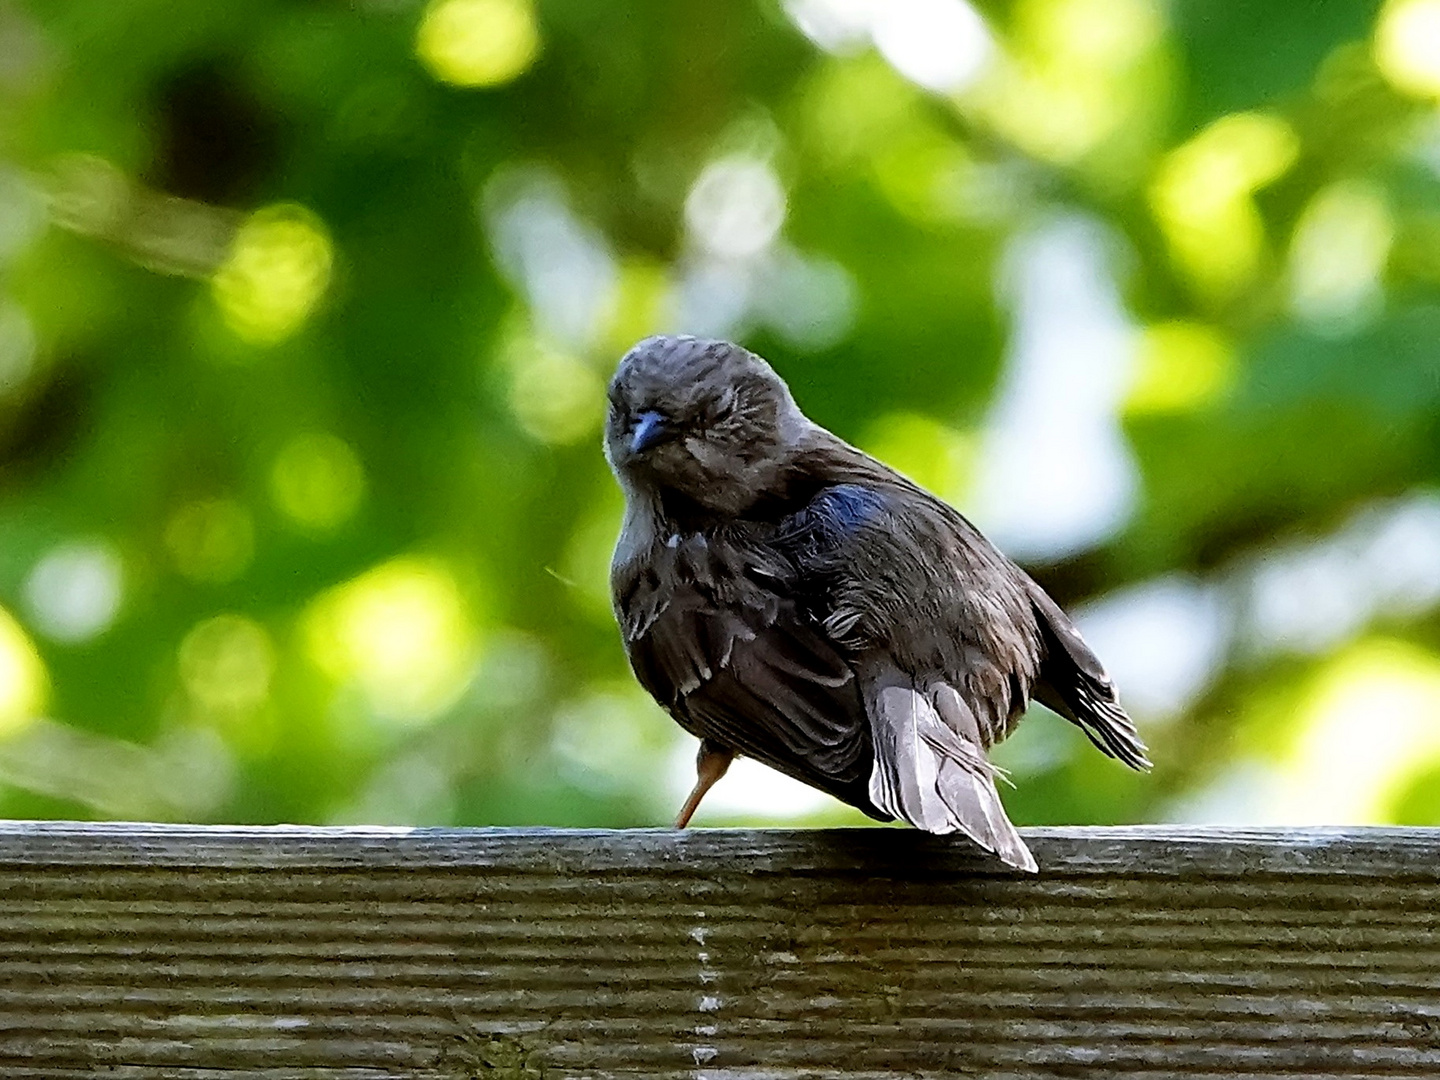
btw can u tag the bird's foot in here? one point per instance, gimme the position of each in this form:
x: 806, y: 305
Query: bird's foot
x: 710, y: 765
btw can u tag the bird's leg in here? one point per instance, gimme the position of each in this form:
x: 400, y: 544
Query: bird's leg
x: 710, y: 766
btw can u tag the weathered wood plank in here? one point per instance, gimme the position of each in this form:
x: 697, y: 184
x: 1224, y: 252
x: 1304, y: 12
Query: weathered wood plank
x: 190, y: 952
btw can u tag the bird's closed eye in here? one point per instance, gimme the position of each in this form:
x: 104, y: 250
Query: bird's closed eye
x: 720, y: 411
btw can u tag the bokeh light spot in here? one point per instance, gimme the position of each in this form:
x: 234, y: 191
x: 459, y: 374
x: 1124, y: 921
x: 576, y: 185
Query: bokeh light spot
x: 809, y: 300
x: 227, y: 662
x: 402, y: 633
x: 1202, y: 198
x: 736, y: 207
x: 555, y: 397
x: 1102, y: 31
x: 1310, y: 596
x: 1179, y: 366
x: 317, y: 481
x: 1338, y: 255
x: 23, y: 682
x: 855, y: 108
x: 1407, y: 45
x: 476, y: 43
x: 23, y: 213
x: 1081, y: 77
x: 942, y: 45
x: 924, y: 173
x: 1366, y: 728
x: 1163, y: 640
x: 937, y: 457
x: 74, y: 591
x: 606, y: 736
x: 17, y: 346
x: 1055, y: 473
x: 561, y: 263
x: 211, y: 540
x: 416, y: 789
x: 840, y: 26
x: 276, y: 273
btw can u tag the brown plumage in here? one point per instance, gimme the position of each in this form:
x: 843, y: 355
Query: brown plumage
x: 787, y: 597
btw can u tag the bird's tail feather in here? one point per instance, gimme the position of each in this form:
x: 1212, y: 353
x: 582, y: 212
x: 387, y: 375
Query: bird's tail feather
x: 936, y: 778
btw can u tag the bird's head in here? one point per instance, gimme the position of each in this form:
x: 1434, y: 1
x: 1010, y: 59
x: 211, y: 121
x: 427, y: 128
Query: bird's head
x: 705, y: 420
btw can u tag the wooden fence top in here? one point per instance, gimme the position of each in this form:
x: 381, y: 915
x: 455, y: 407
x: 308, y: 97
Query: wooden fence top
x: 517, y: 954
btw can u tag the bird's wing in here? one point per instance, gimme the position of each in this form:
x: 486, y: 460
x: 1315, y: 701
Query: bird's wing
x: 898, y: 573
x: 714, y: 633
x: 943, y: 640
x: 1075, y: 685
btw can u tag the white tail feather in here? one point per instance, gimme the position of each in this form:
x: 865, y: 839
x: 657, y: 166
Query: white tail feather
x: 935, y: 777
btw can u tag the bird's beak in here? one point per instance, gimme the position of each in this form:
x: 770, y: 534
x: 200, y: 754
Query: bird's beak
x: 649, y: 429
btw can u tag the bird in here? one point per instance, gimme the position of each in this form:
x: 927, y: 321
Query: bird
x: 786, y: 597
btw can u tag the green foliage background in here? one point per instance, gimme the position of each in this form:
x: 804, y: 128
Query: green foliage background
x: 408, y: 621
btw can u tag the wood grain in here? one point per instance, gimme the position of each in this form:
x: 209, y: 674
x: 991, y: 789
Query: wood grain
x: 189, y: 952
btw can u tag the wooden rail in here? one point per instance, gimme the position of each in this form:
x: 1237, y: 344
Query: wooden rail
x: 165, y: 951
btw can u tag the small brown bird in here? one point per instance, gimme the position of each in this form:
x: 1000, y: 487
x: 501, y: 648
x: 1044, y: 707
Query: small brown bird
x: 785, y: 596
